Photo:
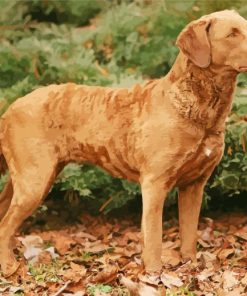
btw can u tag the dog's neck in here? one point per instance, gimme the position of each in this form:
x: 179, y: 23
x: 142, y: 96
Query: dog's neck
x: 202, y: 95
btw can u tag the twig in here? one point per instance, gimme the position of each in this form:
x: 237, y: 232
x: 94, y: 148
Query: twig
x: 105, y: 204
x: 62, y: 289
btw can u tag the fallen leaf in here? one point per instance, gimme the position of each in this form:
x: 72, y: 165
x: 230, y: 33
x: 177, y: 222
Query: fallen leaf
x: 207, y: 256
x: 170, y: 245
x: 133, y: 236
x: 203, y: 243
x: 82, y: 234
x: 171, y: 280
x: 33, y: 246
x: 145, y: 290
x: 242, y: 233
x: 79, y: 293
x: 96, y: 247
x: 205, y: 274
x: 150, y: 278
x: 224, y: 253
x: 229, y: 280
x: 107, y: 275
x: 244, y: 280
x: 13, y: 289
x: 170, y: 257
x: 207, y: 234
x: 64, y: 287
x: 76, y: 267
x: 132, y: 286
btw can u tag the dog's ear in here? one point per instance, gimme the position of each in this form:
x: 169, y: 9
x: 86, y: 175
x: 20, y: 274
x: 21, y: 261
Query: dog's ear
x: 193, y: 42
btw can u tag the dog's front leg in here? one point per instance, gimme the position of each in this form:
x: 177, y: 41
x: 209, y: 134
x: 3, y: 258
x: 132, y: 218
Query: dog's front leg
x: 153, y: 196
x: 190, y: 200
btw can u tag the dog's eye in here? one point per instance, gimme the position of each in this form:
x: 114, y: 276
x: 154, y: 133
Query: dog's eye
x: 234, y: 33
x: 231, y: 35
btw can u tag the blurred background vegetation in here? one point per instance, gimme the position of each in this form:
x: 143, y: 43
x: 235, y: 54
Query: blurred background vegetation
x: 110, y: 42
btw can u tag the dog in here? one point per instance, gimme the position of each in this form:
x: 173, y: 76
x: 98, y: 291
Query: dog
x: 168, y: 132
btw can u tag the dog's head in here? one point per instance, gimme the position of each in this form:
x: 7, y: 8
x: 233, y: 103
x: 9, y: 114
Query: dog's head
x: 219, y: 39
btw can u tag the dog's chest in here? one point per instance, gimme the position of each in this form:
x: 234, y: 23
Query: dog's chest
x: 202, y: 160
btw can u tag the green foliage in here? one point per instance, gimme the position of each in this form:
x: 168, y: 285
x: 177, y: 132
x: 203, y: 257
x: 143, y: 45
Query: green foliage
x: 42, y: 42
x: 45, y: 272
x: 13, y: 12
x: 92, y: 290
x: 90, y: 182
x: 3, y: 180
x: 231, y: 175
x: 125, y: 36
x: 77, y: 12
x: 183, y: 291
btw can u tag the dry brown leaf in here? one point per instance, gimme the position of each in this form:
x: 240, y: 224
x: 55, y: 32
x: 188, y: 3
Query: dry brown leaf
x: 170, y: 244
x: 203, y: 243
x: 236, y: 292
x: 132, y: 249
x: 44, y: 258
x: 140, y: 289
x: 95, y: 247
x: 242, y: 233
x: 133, y: 236
x: 170, y: 257
x: 150, y: 278
x: 170, y: 280
x: 64, y: 287
x: 78, y: 293
x: 61, y: 239
x: 145, y: 290
x: 82, y: 234
x: 244, y: 280
x: 78, y: 268
x: 132, y: 286
x: 70, y: 275
x: 75, y: 273
x: 205, y: 274
x: 224, y: 253
x: 33, y: 246
x: 63, y: 244
x: 231, y: 239
x: 241, y: 262
x: 102, y: 229
x: 229, y: 280
x: 107, y: 275
x: 207, y: 234
x: 209, y: 257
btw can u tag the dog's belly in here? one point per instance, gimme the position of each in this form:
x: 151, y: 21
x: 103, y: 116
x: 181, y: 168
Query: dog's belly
x: 115, y: 160
x: 202, y: 161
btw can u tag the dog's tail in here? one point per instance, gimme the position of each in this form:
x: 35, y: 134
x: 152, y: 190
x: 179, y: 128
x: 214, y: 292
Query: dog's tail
x: 3, y: 164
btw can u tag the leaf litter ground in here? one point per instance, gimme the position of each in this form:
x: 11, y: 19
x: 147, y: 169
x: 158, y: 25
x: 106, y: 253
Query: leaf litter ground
x: 101, y: 256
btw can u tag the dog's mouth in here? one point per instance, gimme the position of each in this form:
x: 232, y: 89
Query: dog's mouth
x: 243, y: 69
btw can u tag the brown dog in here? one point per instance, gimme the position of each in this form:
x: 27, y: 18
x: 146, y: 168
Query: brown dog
x: 168, y: 132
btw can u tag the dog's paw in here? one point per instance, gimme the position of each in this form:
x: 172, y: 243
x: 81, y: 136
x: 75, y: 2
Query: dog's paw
x: 188, y: 256
x: 9, y: 268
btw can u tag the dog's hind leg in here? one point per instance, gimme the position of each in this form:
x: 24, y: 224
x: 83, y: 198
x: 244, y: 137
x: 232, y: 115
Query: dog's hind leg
x: 31, y: 183
x: 5, y: 198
